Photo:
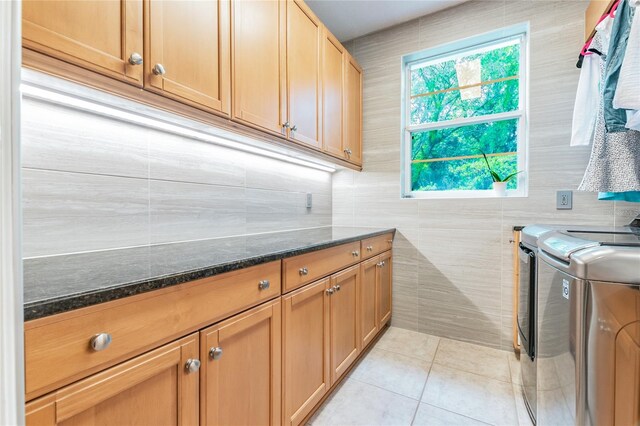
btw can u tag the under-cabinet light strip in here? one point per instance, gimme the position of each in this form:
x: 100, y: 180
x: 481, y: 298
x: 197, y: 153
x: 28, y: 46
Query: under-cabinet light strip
x: 115, y: 113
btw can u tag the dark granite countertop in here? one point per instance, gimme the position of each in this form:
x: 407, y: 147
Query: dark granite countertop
x: 56, y: 284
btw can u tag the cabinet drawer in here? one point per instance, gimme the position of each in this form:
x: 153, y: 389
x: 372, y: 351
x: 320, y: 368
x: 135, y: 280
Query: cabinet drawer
x: 376, y: 245
x: 58, y: 348
x: 303, y: 269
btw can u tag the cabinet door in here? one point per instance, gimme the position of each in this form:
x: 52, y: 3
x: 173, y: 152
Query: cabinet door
x: 188, y: 51
x: 152, y: 389
x: 304, y: 37
x: 98, y: 35
x: 333, y: 64
x: 384, y: 288
x: 345, y: 340
x: 241, y: 373
x: 259, y: 63
x: 305, y: 318
x: 353, y: 111
x: 368, y: 300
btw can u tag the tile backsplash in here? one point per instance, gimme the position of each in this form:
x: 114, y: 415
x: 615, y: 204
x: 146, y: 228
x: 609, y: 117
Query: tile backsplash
x: 95, y: 183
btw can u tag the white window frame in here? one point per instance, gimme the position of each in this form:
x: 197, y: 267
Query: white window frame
x: 461, y: 47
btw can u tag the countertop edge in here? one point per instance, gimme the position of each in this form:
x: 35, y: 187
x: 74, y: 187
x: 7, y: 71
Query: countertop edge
x: 44, y: 308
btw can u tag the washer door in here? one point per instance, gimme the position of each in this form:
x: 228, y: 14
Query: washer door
x: 559, y: 312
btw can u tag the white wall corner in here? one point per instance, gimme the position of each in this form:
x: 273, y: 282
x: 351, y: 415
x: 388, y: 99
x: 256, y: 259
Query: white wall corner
x: 11, y: 306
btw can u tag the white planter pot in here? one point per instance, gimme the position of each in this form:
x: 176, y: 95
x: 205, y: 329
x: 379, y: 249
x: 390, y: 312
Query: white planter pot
x: 500, y: 189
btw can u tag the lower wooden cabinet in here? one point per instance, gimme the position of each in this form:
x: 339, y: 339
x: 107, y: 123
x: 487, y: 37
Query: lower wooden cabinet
x: 345, y: 344
x: 157, y: 388
x: 305, y: 355
x: 241, y: 376
x: 368, y: 301
x: 271, y: 364
x: 384, y: 288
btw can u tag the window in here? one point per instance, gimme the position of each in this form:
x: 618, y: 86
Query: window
x: 461, y: 101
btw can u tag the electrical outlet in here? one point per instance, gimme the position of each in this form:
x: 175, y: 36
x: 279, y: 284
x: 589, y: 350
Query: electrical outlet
x: 564, y: 200
x: 309, y: 200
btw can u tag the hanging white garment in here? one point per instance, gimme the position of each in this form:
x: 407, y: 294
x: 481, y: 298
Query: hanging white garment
x: 633, y: 120
x: 586, y: 107
x: 627, y: 94
x: 585, y: 110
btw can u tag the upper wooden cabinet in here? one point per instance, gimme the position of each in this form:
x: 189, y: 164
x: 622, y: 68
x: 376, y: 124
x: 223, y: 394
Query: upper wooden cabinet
x: 241, y: 375
x: 333, y: 77
x: 187, y: 51
x: 353, y: 111
x: 266, y: 64
x: 304, y: 41
x: 258, y: 64
x: 103, y: 36
x: 159, y: 387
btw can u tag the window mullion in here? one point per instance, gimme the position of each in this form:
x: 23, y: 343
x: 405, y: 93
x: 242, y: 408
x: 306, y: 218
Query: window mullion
x: 460, y: 122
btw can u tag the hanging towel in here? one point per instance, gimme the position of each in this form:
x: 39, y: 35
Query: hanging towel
x: 630, y: 196
x: 627, y: 93
x: 616, y: 119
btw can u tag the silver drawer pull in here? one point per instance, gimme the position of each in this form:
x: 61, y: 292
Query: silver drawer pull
x: 369, y: 248
x: 192, y: 365
x: 303, y: 271
x: 263, y: 285
x: 215, y: 353
x: 100, y: 341
x: 355, y: 253
x: 390, y: 241
x: 380, y: 264
x: 330, y: 291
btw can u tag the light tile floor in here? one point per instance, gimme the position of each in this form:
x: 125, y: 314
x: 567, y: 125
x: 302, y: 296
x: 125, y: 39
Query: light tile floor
x: 411, y: 378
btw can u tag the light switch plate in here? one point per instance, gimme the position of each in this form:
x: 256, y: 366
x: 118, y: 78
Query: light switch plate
x: 309, y: 200
x: 564, y: 200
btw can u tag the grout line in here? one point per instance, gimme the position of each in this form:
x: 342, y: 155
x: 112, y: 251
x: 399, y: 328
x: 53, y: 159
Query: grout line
x: 458, y: 414
x: 190, y: 182
x: 176, y: 242
x: 474, y: 373
x: 384, y: 389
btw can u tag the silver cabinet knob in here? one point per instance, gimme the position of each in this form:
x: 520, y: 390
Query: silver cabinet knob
x: 135, y: 59
x: 215, y: 353
x: 158, y: 69
x: 336, y: 287
x: 380, y: 264
x: 330, y: 291
x: 294, y: 128
x: 192, y: 365
x: 303, y: 271
x: 286, y: 125
x: 100, y: 341
x: 390, y: 241
x: 369, y: 248
x: 355, y: 253
x: 263, y: 285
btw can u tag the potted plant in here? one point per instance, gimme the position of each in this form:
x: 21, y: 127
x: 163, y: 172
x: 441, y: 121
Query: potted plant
x: 499, y: 183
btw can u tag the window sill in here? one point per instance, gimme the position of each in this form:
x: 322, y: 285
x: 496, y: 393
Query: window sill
x: 439, y: 195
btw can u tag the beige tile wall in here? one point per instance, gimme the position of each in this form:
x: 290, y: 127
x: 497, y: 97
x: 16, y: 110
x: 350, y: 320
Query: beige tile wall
x: 453, y: 258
